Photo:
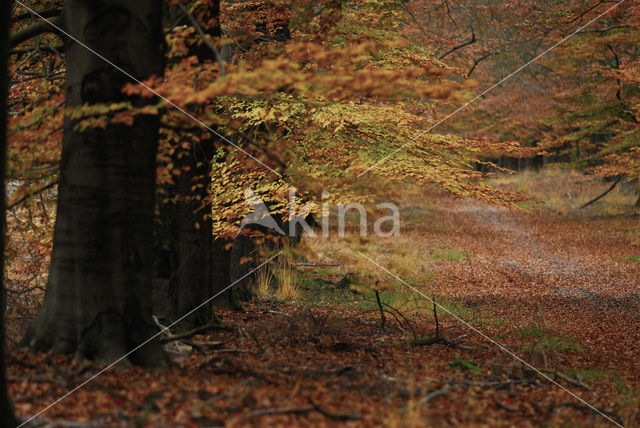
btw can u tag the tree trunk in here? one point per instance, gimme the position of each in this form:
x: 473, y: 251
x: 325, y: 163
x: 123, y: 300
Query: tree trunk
x: 194, y: 272
x: 185, y: 269
x: 6, y: 412
x: 98, y: 298
x: 222, y: 274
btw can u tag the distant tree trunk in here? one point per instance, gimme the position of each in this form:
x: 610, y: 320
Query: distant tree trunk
x: 196, y: 267
x: 98, y: 298
x: 221, y: 273
x: 6, y: 412
x: 185, y: 269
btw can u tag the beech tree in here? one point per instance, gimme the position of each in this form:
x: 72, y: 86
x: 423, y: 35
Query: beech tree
x: 6, y: 412
x: 98, y: 298
x: 188, y: 261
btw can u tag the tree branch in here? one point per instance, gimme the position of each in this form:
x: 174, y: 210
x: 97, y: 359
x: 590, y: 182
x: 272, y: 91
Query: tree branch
x: 30, y: 195
x: 460, y: 46
x: 604, y: 30
x: 42, y: 27
x: 476, y: 62
x: 49, y: 13
x: 216, y: 324
x: 603, y: 195
x: 204, y: 37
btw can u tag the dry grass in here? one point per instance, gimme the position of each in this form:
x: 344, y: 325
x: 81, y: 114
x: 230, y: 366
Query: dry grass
x: 279, y: 280
x: 410, y: 416
x: 565, y: 191
x: 264, y: 282
x: 288, y: 287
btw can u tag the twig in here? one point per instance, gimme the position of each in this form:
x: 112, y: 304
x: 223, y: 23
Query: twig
x: 292, y: 410
x: 433, y: 395
x: 382, y: 319
x: 304, y: 410
x: 331, y: 415
x: 42, y: 27
x: 435, y: 315
x: 604, y: 30
x: 317, y: 264
x: 396, y: 311
x: 49, y: 13
x: 575, y: 382
x: 505, y: 407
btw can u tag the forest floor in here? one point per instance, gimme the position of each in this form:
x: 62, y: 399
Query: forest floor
x: 557, y: 287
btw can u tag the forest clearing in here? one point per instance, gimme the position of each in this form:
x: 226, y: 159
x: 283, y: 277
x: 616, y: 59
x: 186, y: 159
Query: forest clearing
x: 401, y: 213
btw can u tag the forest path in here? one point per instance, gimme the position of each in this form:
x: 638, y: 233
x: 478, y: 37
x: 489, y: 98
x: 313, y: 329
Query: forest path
x: 546, y: 254
x: 572, y: 271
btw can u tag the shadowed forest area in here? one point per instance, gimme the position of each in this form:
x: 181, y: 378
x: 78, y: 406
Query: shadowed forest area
x: 397, y: 213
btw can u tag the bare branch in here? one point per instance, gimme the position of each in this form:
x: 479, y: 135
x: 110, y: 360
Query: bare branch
x: 604, y: 194
x: 604, y: 30
x: 476, y: 62
x: 460, y: 46
x: 446, y: 5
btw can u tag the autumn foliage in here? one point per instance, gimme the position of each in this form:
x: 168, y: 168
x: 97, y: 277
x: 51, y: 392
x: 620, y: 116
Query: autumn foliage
x: 355, y: 101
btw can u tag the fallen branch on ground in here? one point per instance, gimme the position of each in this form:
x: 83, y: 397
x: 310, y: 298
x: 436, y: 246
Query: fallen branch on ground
x: 582, y: 407
x: 304, y: 410
x: 575, y: 382
x: 198, y: 330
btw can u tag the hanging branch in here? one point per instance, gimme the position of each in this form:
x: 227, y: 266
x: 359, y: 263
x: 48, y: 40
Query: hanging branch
x: 204, y: 37
x: 446, y: 5
x: 460, y: 46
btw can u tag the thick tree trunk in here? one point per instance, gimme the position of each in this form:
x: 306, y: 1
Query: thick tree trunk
x: 198, y: 267
x: 6, y: 412
x: 185, y: 261
x: 98, y: 299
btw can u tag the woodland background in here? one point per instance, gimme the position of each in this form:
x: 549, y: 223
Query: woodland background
x: 507, y: 133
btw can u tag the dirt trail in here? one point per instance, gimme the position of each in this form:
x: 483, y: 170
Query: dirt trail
x: 569, y: 269
x: 541, y: 260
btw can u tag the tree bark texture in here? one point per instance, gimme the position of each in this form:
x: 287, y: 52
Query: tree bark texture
x: 98, y: 298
